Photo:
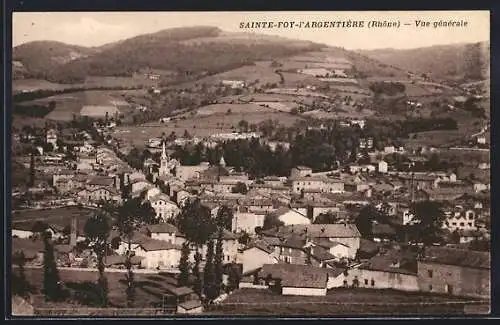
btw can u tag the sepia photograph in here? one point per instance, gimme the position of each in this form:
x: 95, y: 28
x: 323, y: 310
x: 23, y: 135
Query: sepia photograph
x: 244, y: 164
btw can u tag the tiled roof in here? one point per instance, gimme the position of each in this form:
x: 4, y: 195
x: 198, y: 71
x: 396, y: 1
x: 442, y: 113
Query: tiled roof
x: 181, y: 291
x: 157, y: 245
x: 458, y: 257
x: 162, y: 228
x: 296, y: 276
x: 262, y: 245
x: 321, y: 254
x: 385, y: 263
x: 190, y: 304
x: 101, y: 181
x: 319, y: 230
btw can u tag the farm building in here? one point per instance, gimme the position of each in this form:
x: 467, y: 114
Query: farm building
x: 455, y: 272
x: 392, y: 270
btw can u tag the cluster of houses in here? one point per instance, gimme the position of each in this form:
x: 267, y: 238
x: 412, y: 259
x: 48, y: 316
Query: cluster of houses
x: 299, y: 255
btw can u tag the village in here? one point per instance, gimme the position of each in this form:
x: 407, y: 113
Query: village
x: 302, y: 234
x: 207, y: 172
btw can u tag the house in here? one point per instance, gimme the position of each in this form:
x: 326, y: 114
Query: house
x: 51, y: 137
x: 230, y: 247
x: 382, y: 167
x: 234, y: 84
x: 317, y: 183
x: 347, y: 234
x: 460, y: 218
x: 455, y: 272
x: 300, y: 171
x: 164, y: 208
x: 97, y: 194
x: 388, y: 271
x: 419, y: 180
x: 335, y: 249
x: 247, y: 221
x: 155, y: 253
x: 158, y: 254
x: 291, y: 217
x: 166, y: 232
x: 299, y: 280
x: 190, y: 307
x: 256, y: 255
x: 354, y: 169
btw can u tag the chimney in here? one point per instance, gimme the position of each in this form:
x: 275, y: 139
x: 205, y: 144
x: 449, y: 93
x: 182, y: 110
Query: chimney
x: 72, y: 239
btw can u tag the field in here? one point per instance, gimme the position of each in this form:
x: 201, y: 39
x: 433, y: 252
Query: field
x: 19, y: 85
x: 58, y: 216
x: 235, y: 108
x: 319, y: 114
x: 200, y: 126
x: 149, y: 288
x: 68, y: 104
x: 338, y: 302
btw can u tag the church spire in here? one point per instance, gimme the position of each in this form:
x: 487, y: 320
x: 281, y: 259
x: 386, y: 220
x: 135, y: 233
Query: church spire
x: 222, y: 162
x: 163, y: 152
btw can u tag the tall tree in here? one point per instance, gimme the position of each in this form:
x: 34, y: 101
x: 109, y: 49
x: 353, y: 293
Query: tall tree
x: 97, y: 229
x: 184, y: 265
x: 32, y: 170
x: 130, y: 219
x: 364, y: 220
x: 22, y: 285
x: 51, y: 283
x: 196, y: 272
x: 224, y: 218
x: 208, y: 272
x: 429, y: 219
x: 218, y: 260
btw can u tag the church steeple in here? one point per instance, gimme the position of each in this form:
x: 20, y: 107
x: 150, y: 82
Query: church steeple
x: 163, y: 152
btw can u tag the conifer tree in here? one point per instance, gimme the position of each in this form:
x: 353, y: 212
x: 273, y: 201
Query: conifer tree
x: 51, y: 283
x: 218, y: 261
x: 184, y: 265
x: 208, y: 272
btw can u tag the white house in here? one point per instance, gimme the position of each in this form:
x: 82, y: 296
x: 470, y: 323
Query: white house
x: 291, y: 217
x: 165, y: 232
x: 164, y: 208
x: 460, y: 219
x: 158, y: 254
x: 255, y: 256
x: 247, y: 221
x: 382, y: 167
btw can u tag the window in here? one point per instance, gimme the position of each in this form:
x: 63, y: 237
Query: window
x: 462, y: 224
x: 430, y: 287
x: 470, y: 224
x: 429, y: 273
x: 373, y: 283
x: 453, y: 223
x: 366, y: 282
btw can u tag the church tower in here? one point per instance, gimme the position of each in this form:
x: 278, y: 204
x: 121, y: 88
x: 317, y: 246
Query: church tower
x: 222, y: 162
x: 163, y: 162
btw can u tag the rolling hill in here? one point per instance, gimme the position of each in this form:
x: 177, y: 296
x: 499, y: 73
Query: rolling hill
x: 172, y: 49
x: 463, y: 62
x: 35, y: 59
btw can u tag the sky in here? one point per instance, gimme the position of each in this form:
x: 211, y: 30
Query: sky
x: 98, y: 28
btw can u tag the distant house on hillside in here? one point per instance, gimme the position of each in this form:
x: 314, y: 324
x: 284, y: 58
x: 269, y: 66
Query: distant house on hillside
x: 234, y: 84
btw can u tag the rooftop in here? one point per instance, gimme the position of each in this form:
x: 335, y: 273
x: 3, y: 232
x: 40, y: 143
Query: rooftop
x: 296, y: 276
x: 457, y: 257
x: 319, y: 230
